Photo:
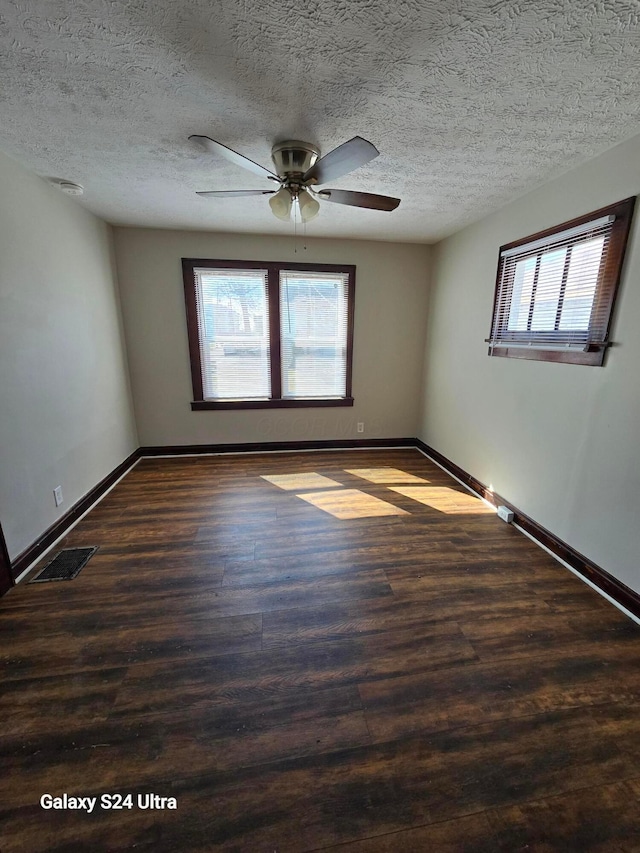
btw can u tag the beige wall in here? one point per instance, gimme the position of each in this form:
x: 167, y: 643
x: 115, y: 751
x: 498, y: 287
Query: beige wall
x: 66, y: 417
x: 561, y: 442
x: 390, y: 322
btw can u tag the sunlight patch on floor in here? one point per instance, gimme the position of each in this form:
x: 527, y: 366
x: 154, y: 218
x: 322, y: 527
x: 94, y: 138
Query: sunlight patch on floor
x: 443, y: 499
x: 351, y: 503
x: 385, y: 475
x: 293, y: 482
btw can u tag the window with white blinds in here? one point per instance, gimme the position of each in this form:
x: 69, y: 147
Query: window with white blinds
x: 313, y: 330
x: 555, y: 291
x: 265, y: 335
x: 233, y: 329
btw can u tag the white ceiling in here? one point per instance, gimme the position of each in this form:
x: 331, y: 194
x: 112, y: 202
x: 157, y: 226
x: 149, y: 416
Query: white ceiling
x: 470, y: 102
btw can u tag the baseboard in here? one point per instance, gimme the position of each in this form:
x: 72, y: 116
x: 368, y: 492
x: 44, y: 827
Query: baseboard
x: 589, y: 570
x: 274, y: 446
x: 34, y: 551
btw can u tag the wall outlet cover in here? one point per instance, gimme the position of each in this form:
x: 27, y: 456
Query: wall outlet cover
x: 505, y: 514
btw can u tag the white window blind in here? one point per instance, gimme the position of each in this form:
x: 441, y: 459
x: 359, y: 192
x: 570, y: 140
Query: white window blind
x: 313, y: 331
x: 233, y: 325
x: 549, y: 290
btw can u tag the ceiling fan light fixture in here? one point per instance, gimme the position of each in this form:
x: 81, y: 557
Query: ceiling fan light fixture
x: 309, y: 207
x: 280, y: 204
x: 298, y: 172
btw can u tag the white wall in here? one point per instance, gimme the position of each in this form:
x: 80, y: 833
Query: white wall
x: 66, y: 416
x: 390, y: 323
x: 561, y: 442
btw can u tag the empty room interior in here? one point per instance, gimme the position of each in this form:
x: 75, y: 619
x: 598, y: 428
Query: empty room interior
x: 319, y: 423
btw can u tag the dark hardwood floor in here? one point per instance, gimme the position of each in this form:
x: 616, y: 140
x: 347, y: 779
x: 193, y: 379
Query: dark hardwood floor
x: 423, y: 680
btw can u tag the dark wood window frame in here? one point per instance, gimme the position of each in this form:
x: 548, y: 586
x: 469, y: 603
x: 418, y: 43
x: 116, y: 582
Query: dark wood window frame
x: 273, y: 269
x: 595, y: 347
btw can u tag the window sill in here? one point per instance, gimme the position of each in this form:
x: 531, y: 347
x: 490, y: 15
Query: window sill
x: 206, y: 405
x: 568, y: 356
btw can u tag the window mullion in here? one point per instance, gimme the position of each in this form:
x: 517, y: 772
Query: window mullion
x: 273, y: 295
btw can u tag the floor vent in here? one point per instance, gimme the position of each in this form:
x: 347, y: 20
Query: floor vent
x: 66, y: 565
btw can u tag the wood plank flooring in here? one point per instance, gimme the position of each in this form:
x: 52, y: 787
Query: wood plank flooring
x: 423, y: 680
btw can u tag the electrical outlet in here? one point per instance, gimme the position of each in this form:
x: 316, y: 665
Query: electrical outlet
x: 57, y: 495
x: 360, y: 426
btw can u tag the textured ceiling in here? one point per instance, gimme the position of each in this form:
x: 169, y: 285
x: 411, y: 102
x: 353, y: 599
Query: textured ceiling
x: 470, y: 102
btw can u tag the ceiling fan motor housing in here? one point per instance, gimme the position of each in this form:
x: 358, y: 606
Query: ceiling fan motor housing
x: 293, y: 158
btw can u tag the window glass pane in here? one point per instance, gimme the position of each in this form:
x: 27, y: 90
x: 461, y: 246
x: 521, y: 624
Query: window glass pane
x: 313, y: 322
x: 548, y: 290
x: 521, y: 298
x: 234, y: 333
x: 581, y: 284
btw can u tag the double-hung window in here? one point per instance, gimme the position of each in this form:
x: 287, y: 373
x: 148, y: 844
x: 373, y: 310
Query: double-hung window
x: 556, y: 290
x: 269, y: 335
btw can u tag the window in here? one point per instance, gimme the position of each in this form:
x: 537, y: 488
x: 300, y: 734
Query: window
x: 555, y: 291
x: 269, y: 335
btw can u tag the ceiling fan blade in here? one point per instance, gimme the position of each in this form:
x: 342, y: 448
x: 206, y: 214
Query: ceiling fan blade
x: 356, y: 199
x: 223, y: 193
x: 342, y: 160
x: 214, y: 147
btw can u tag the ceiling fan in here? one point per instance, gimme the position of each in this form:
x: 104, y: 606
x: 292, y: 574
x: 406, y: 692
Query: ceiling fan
x: 298, y: 170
